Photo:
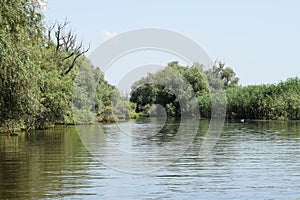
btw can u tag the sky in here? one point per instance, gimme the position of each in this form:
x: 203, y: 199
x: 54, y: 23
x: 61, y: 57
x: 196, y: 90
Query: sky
x: 258, y: 39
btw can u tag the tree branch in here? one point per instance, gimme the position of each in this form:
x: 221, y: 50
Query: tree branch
x: 70, y: 67
x: 66, y: 46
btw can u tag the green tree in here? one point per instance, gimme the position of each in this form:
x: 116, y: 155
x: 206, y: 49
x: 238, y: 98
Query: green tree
x: 221, y: 77
x: 172, y: 87
x: 21, y: 41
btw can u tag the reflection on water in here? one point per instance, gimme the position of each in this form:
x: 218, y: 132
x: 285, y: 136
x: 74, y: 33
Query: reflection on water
x: 139, y: 147
x: 250, y: 160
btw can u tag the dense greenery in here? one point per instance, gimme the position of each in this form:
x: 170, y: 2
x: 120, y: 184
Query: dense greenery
x: 221, y: 77
x: 271, y: 102
x: 173, y: 88
x: 46, y: 79
x: 20, y: 47
x: 38, y: 67
x: 93, y: 95
x: 275, y: 101
x: 177, y: 88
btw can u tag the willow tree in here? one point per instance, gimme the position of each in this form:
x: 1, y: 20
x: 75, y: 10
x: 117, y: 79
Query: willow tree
x: 172, y: 87
x: 20, y: 45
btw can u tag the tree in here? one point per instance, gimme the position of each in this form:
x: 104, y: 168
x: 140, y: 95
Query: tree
x: 21, y: 39
x: 221, y: 77
x: 67, y: 48
x: 38, y: 68
x: 60, y: 63
x: 229, y: 78
x: 173, y: 88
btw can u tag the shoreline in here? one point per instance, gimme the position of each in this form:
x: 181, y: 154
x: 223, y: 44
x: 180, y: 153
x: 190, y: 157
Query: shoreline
x: 55, y: 125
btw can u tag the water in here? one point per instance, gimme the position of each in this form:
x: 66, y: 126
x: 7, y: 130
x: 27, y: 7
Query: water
x: 257, y: 160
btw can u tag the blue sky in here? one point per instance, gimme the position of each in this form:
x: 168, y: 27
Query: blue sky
x: 260, y: 40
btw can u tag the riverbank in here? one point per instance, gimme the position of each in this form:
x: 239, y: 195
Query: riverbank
x: 10, y: 131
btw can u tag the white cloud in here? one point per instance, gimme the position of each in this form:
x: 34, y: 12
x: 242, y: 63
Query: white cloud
x: 107, y: 34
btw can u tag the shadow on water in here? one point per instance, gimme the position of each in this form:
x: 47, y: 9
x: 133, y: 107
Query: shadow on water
x: 41, y: 163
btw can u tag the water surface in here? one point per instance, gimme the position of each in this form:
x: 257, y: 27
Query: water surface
x: 257, y: 160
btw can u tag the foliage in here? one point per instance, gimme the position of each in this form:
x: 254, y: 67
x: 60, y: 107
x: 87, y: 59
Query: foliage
x: 41, y: 78
x: 221, y: 77
x: 20, y: 45
x: 166, y: 89
x: 173, y: 87
x: 271, y: 102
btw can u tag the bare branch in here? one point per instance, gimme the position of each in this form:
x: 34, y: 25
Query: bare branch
x: 59, y: 34
x: 75, y: 58
x: 50, y: 29
x: 67, y: 47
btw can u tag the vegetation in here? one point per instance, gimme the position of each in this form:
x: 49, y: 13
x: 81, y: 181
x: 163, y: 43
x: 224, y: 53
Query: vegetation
x: 271, y: 102
x: 267, y: 102
x: 276, y: 101
x: 177, y: 89
x: 221, y: 77
x: 171, y: 89
x: 46, y: 79
x: 38, y: 67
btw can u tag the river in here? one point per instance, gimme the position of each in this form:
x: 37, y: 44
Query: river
x: 251, y: 160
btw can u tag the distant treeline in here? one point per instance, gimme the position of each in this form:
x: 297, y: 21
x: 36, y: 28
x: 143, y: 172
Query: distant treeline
x: 177, y: 90
x: 268, y: 102
x: 167, y: 88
